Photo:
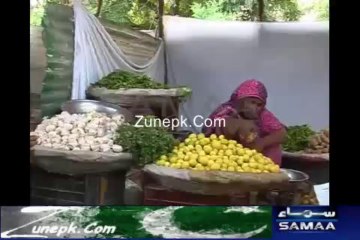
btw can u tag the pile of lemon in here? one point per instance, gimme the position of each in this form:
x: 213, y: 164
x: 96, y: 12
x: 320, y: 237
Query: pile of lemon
x: 216, y: 153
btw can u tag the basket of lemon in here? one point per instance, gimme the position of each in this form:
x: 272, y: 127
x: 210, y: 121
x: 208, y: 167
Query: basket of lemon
x: 216, y: 165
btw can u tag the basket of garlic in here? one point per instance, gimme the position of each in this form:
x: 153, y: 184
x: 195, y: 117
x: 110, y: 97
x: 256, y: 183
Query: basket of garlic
x: 80, y: 143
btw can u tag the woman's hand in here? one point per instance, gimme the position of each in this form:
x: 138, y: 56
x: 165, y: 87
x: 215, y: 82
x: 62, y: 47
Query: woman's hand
x: 257, y: 145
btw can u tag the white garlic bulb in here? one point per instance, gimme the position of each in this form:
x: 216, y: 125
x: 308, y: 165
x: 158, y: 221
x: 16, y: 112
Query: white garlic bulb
x: 85, y: 147
x: 50, y: 128
x: 95, y: 147
x: 92, y: 131
x: 117, y: 148
x: 105, y: 148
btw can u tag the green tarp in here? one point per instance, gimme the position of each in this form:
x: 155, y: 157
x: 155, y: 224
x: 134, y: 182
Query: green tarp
x: 58, y: 37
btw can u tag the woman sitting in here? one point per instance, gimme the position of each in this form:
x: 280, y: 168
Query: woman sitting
x: 245, y: 113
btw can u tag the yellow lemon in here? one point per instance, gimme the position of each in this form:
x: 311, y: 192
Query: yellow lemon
x: 212, y: 153
x: 216, y: 144
x: 232, y: 142
x: 275, y: 169
x: 159, y: 162
x: 204, y: 160
x: 163, y: 157
x: 246, y: 169
x: 228, y: 152
x: 211, y: 162
x: 240, y: 151
x: 201, y: 153
x: 224, y: 141
x: 260, y: 167
x: 192, y: 136
x: 193, y: 162
x: 245, y: 165
x: 213, y: 136
x: 207, y: 149
x: 223, y: 169
x: 253, y: 165
x: 221, y: 137
x: 184, y: 149
x: 246, y: 158
x: 233, y: 164
x: 201, y: 136
x: 166, y: 164
x: 190, y: 147
x: 265, y: 171
x: 185, y: 165
x: 206, y: 140
x: 198, y: 165
x: 232, y: 169
x: 173, y: 159
x: 198, y: 148
x: 239, y: 162
x: 181, y: 145
x: 239, y: 169
x: 177, y: 165
x: 221, y: 152
x: 215, y: 166
x: 231, y: 146
x: 224, y: 165
x: 239, y: 145
x: 233, y: 158
x: 194, y: 155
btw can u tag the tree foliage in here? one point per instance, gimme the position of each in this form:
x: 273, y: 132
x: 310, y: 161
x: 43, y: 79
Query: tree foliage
x: 144, y: 13
x: 321, y: 8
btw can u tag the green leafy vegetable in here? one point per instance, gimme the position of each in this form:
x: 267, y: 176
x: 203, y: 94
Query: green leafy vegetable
x: 147, y: 144
x: 124, y: 79
x: 128, y: 80
x: 298, y: 138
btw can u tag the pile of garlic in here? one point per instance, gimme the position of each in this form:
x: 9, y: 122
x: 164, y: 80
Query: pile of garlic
x: 92, y: 131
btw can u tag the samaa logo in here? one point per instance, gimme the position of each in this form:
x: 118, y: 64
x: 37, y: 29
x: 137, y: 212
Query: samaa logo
x: 306, y: 219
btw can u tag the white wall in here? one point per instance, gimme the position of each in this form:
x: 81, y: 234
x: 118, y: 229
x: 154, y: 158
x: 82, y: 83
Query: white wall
x: 291, y: 59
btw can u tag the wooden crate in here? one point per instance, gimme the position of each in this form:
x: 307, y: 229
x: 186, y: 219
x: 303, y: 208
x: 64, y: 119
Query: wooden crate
x: 90, y: 189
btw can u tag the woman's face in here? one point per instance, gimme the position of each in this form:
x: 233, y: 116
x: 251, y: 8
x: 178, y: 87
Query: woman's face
x: 250, y: 107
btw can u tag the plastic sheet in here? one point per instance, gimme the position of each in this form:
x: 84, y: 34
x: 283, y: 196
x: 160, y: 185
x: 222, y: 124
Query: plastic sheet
x: 216, y: 182
x: 307, y: 156
x: 79, y: 162
x: 322, y: 193
x: 96, y: 54
x: 80, y: 156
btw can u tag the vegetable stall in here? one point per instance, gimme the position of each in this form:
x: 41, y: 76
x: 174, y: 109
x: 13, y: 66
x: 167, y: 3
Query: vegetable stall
x: 308, y: 151
x: 86, y: 151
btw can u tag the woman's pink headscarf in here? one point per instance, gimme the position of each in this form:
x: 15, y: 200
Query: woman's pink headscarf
x: 250, y: 88
x: 267, y: 122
